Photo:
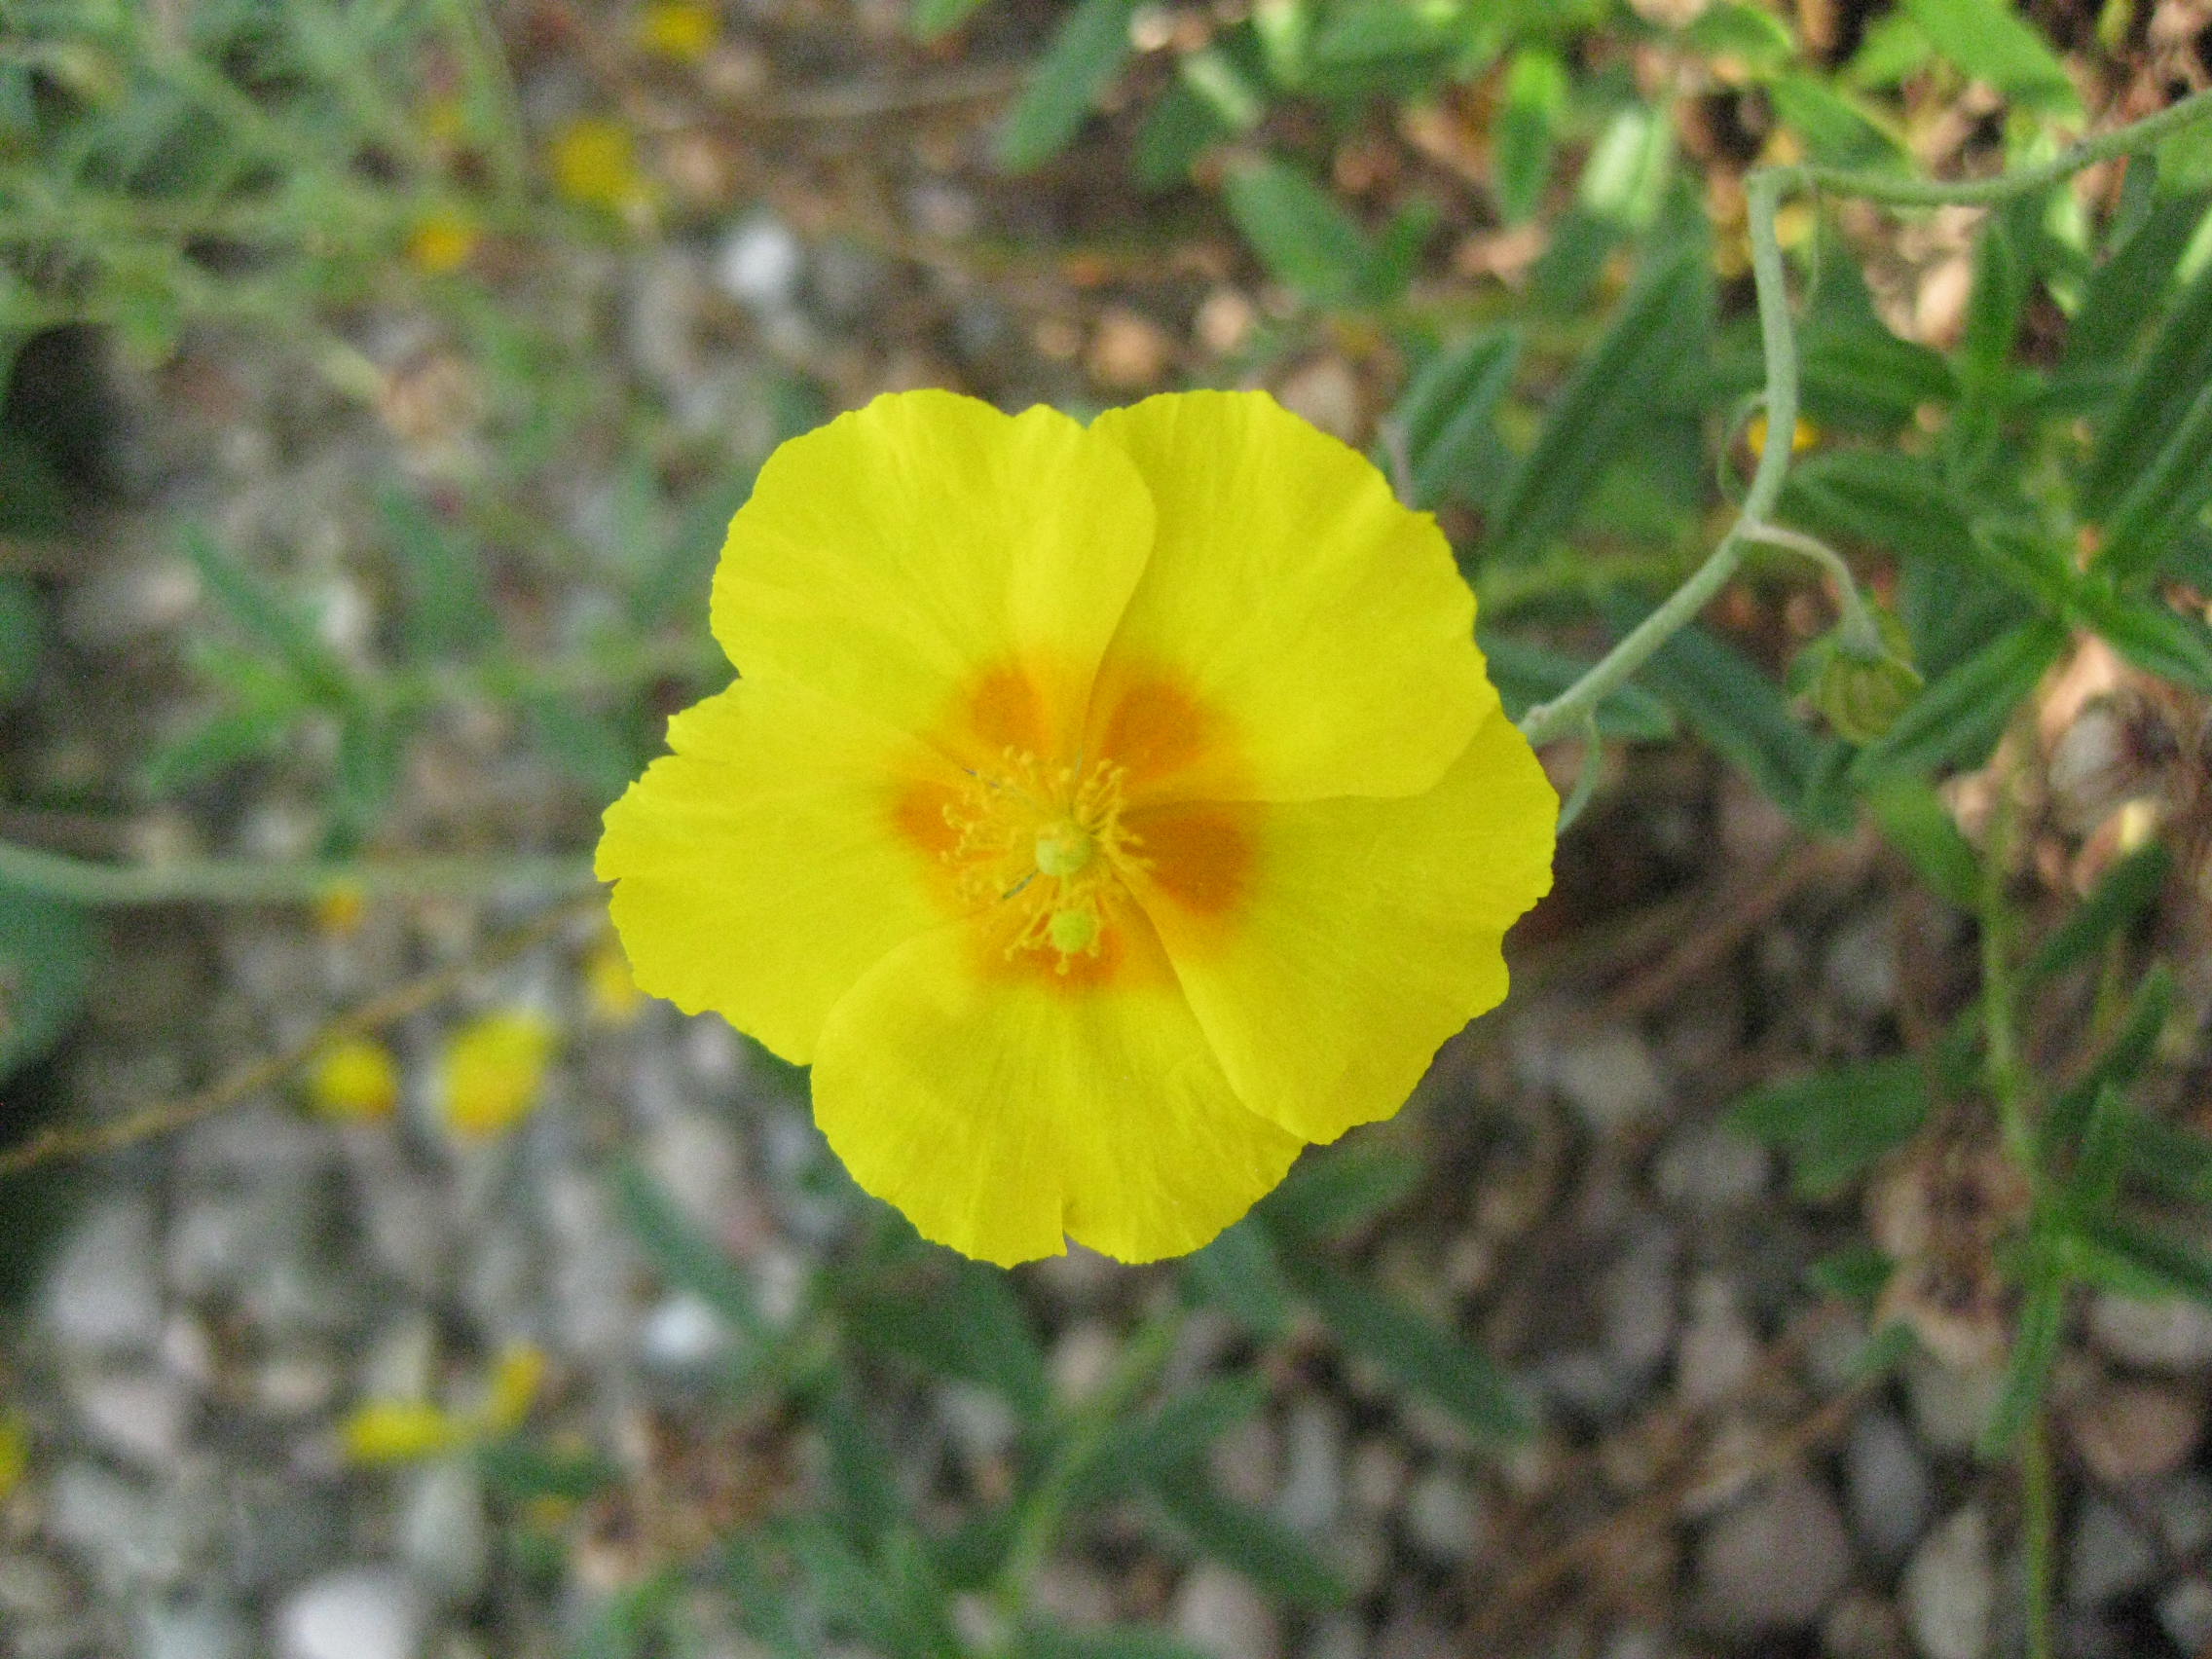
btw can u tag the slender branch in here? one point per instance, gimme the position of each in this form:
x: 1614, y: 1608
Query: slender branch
x: 165, y: 1118
x: 1547, y: 721
x: 1763, y: 191
x: 1897, y: 191
x: 1862, y: 634
x: 246, y: 881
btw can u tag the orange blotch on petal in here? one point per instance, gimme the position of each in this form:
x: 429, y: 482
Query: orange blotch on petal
x: 1201, y: 856
x: 1160, y: 732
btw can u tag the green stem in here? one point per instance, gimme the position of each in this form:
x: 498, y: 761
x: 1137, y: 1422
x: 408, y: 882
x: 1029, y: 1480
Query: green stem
x: 1037, y: 1526
x: 1564, y: 712
x: 1862, y: 634
x: 2038, y: 1524
x: 246, y: 881
x: 1764, y: 190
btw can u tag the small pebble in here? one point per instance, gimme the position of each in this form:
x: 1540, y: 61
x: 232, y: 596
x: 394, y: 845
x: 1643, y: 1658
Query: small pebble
x: 2158, y: 1336
x: 2135, y: 1432
x: 1635, y: 1301
x: 444, y: 1530
x: 100, y: 1293
x: 1718, y: 1350
x: 1949, y: 1406
x: 2184, y: 1506
x: 1886, y: 1479
x: 1609, y: 1078
x: 1949, y: 1590
x: 1219, y: 1612
x: 2107, y: 1555
x: 1710, y: 1170
x: 138, y: 1417
x: 1313, y: 1491
x: 1443, y: 1519
x: 2185, y: 1611
x: 361, y: 1612
x: 1773, y: 1563
x: 760, y: 263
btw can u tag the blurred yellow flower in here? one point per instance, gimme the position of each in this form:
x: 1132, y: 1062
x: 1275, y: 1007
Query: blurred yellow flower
x: 353, y: 1078
x: 442, y: 242
x: 595, y: 163
x: 400, y: 1431
x: 684, y: 30
x: 407, y: 1431
x: 339, y: 909
x: 15, y: 1451
x: 610, y: 987
x: 517, y: 1375
x: 493, y: 1072
x: 1103, y: 812
x: 1803, y: 434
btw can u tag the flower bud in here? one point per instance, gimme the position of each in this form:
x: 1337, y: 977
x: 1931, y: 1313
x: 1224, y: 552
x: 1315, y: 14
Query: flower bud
x: 1860, y: 695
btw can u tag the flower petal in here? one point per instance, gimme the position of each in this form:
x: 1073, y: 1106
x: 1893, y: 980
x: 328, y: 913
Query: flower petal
x: 1292, y: 600
x: 761, y: 871
x: 1000, y: 1110
x: 1363, y: 935
x: 909, y: 557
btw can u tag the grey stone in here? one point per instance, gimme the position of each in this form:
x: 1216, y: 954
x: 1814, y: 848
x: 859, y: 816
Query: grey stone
x: 2184, y: 1612
x: 1313, y: 1491
x: 2128, y: 1432
x: 1718, y: 1350
x: 1443, y: 1518
x: 1949, y: 1590
x: 1219, y: 1612
x: 140, y: 1416
x: 129, y: 1537
x: 1709, y: 1169
x: 101, y: 1293
x: 1609, y: 1078
x: 1886, y: 1480
x: 444, y: 1533
x: 760, y: 263
x: 2156, y: 1335
x: 283, y: 1528
x: 194, y: 1629
x: 1636, y: 1299
x: 2184, y: 1506
x: 360, y: 1612
x: 1336, y: 1635
x: 1950, y: 1406
x: 1774, y: 1561
x: 682, y: 1333
x: 2107, y: 1555
x: 1376, y: 1479
x: 1247, y: 1461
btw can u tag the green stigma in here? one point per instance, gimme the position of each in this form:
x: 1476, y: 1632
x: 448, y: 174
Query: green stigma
x: 1064, y: 849
x: 1073, y: 930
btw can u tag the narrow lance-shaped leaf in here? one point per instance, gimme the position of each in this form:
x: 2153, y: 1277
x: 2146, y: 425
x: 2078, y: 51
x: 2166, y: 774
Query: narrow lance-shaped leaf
x: 1084, y: 57
x: 1267, y: 1552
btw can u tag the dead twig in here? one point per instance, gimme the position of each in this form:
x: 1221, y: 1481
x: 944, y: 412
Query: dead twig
x: 53, y: 1145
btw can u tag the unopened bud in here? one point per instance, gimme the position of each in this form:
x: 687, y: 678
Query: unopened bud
x: 1858, y: 695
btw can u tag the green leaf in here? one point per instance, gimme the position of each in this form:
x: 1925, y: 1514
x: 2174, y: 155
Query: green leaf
x: 48, y: 951
x: 1330, y: 1191
x: 1172, y: 1440
x: 1238, y: 1273
x: 22, y: 630
x: 1727, y: 701
x: 2170, y: 378
x: 1894, y: 49
x: 1996, y: 303
x: 1365, y: 32
x: 2171, y: 493
x: 763, y: 1606
x: 1857, y: 1272
x: 1267, y: 1552
x: 584, y: 743
x: 2127, y: 290
x: 1526, y: 673
x: 1307, y: 241
x: 860, y: 1471
x: 685, y: 1255
x: 2035, y: 1345
x: 1990, y: 42
x: 448, y: 608
x: 2173, y: 1266
x: 1914, y: 821
x: 886, y: 1602
x: 1417, y: 1353
x: 1179, y: 128
x: 1755, y: 38
x: 1082, y: 62
x: 1117, y: 1641
x: 1834, y: 1124
x: 216, y: 744
x: 955, y: 1318
x: 2127, y: 891
x: 1446, y: 417
x: 267, y: 617
x: 1660, y: 324
x: 1836, y: 129
x: 2172, y: 1160
x: 1525, y: 132
x: 1958, y: 719
x: 2122, y: 1061
x: 931, y: 19
x: 520, y: 1472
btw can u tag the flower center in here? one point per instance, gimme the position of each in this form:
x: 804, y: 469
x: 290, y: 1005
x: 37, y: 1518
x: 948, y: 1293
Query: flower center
x: 1047, y: 840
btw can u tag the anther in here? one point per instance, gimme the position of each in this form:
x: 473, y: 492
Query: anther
x: 1064, y: 849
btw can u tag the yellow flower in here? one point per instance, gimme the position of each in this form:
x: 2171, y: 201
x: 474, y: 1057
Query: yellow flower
x: 355, y: 1076
x: 595, y: 163
x: 400, y: 1431
x: 610, y: 987
x: 339, y: 909
x: 441, y: 241
x: 1104, y: 813
x: 516, y: 1378
x: 1803, y: 434
x: 682, y: 30
x: 15, y: 1451
x: 493, y: 1072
